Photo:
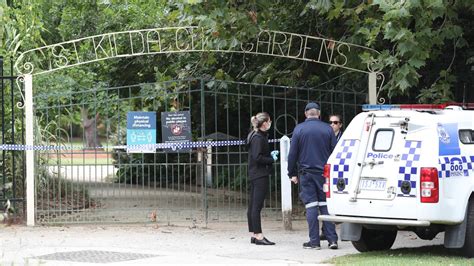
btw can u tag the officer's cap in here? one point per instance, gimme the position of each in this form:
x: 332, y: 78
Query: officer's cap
x: 311, y: 105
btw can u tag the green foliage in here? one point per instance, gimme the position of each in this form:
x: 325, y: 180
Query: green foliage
x: 12, y: 133
x: 13, y: 159
x: 149, y: 169
x: 132, y: 168
x: 440, y: 91
x: 20, y: 28
x: 416, y: 39
x: 231, y: 177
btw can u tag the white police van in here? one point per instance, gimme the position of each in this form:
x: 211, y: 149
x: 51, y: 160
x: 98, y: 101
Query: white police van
x: 404, y: 167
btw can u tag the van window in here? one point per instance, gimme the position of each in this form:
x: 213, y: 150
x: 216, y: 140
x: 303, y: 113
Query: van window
x: 466, y: 136
x: 383, y: 140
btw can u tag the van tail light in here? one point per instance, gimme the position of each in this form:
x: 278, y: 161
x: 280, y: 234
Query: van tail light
x: 327, y: 176
x: 429, y: 185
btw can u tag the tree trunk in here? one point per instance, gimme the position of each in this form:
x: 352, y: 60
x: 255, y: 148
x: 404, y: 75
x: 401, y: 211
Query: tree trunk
x: 90, y: 129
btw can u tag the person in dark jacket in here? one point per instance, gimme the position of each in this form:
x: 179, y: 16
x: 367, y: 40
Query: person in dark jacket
x: 259, y: 168
x: 335, y: 121
x: 311, y: 144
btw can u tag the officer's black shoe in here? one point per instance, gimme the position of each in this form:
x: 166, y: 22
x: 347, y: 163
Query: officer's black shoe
x: 332, y: 245
x: 308, y: 245
x: 264, y: 241
x: 252, y: 240
x: 322, y: 237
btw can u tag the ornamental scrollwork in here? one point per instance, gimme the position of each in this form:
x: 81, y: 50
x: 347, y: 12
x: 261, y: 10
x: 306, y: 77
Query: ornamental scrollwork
x: 20, y: 80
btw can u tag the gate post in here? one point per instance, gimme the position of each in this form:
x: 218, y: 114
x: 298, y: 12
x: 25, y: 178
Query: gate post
x: 205, y: 205
x: 286, y: 204
x: 372, y: 88
x: 30, y: 154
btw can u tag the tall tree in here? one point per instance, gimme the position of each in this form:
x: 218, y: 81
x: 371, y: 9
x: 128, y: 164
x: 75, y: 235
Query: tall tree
x: 424, y: 44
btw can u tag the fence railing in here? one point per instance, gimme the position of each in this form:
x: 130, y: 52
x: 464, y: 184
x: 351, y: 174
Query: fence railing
x: 105, y: 184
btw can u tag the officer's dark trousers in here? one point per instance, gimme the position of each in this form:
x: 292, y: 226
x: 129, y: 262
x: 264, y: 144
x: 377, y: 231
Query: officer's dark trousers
x: 313, y: 196
x: 258, y: 191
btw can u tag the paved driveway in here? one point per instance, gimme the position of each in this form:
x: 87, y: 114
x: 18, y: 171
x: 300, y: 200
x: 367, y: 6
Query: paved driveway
x: 153, y: 244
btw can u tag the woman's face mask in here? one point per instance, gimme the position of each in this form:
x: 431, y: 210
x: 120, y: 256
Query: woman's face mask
x: 269, y: 124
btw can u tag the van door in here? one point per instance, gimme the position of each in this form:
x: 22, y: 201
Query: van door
x: 386, y: 167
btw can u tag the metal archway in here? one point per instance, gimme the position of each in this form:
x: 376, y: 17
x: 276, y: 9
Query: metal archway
x: 172, y: 40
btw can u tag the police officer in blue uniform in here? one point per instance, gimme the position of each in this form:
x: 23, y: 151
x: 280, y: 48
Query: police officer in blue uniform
x: 311, y: 144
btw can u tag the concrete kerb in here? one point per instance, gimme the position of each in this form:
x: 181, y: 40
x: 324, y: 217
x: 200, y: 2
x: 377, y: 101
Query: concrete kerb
x: 151, y: 244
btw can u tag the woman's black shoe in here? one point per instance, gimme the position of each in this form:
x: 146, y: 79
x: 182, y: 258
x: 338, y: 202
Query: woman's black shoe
x: 264, y: 241
x: 252, y: 240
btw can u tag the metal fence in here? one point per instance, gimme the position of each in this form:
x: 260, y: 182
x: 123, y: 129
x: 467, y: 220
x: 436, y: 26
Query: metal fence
x: 12, y: 168
x: 105, y: 184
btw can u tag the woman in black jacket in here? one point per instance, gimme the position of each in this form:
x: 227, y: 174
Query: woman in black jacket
x: 259, y: 168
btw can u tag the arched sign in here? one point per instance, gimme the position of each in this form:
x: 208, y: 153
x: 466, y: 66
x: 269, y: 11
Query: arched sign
x: 191, y: 39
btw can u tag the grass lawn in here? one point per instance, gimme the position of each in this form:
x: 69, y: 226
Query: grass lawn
x: 78, y: 143
x: 427, y: 255
x: 75, y: 155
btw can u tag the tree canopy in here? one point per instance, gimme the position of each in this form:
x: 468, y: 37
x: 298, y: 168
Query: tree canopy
x: 425, y: 45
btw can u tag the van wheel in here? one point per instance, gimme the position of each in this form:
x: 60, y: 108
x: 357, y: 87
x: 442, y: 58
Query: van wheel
x: 468, y: 248
x: 371, y: 240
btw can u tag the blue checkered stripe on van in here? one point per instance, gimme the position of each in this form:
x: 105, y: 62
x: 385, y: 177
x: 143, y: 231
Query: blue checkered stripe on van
x: 341, y: 168
x: 469, y: 163
x: 455, y: 164
x: 407, y: 170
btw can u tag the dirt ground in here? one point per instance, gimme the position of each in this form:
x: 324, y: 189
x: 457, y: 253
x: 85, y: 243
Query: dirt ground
x: 153, y: 244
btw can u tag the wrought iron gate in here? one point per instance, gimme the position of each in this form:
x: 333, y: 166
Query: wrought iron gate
x: 12, y: 168
x: 105, y: 184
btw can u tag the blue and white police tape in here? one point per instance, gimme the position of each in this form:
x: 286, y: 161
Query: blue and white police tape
x: 172, y: 146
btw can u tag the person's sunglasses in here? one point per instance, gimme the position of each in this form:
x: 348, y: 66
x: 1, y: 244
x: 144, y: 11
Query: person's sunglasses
x: 334, y: 122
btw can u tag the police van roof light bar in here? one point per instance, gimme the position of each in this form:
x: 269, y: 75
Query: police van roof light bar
x: 382, y: 107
